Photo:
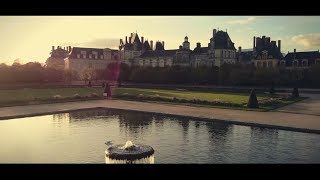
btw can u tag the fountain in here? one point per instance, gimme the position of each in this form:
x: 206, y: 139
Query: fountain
x: 130, y: 154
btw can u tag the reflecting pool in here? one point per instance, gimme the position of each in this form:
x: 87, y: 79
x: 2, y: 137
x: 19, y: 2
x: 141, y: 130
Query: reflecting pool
x: 79, y: 137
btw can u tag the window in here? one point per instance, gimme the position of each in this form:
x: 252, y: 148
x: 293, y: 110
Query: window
x: 78, y: 56
x: 90, y: 56
x: 101, y: 56
x: 282, y: 63
x: 264, y: 64
x: 84, y: 56
x: 295, y: 63
x: 305, y: 63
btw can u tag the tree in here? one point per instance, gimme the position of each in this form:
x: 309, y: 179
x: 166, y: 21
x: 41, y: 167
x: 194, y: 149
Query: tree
x: 88, y: 74
x: 295, y: 92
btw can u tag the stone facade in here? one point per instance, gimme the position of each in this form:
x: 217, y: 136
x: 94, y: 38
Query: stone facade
x: 300, y: 60
x: 81, y: 58
x: 138, y: 52
x: 266, y: 54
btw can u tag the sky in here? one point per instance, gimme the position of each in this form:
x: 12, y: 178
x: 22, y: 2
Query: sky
x: 30, y: 38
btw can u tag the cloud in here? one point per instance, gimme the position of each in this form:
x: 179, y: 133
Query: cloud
x: 307, y: 40
x: 242, y: 21
x: 96, y: 43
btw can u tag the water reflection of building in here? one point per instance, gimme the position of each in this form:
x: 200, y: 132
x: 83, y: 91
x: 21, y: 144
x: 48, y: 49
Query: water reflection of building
x: 87, y: 114
x: 218, y: 131
x: 185, y: 128
x: 264, y: 133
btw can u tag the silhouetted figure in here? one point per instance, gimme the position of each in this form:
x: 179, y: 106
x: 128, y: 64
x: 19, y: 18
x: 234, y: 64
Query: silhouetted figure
x: 89, y: 84
x: 107, y: 91
x: 295, y: 92
x: 253, y: 101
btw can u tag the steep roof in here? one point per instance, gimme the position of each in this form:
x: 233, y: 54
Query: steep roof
x: 223, y: 41
x: 302, y: 55
x: 159, y: 53
x: 199, y: 50
x: 245, y: 56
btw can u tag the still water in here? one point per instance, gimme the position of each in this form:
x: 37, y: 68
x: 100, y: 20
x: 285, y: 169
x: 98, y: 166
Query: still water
x: 79, y: 137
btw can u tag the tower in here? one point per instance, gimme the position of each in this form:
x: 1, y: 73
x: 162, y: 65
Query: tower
x: 186, y: 44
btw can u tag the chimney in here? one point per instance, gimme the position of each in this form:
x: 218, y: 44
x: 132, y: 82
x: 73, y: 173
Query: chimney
x: 294, y: 50
x: 239, y: 49
x: 131, y: 35
x: 64, y: 48
x: 69, y: 48
x: 279, y: 45
x: 214, y: 32
x: 198, y: 45
x: 180, y: 47
x: 142, y: 39
x: 151, y: 45
x: 254, y: 42
x: 126, y: 39
x: 130, y: 39
x: 163, y: 44
x: 52, y: 48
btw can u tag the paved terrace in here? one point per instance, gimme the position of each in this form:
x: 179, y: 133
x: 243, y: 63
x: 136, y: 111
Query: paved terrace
x: 286, y: 120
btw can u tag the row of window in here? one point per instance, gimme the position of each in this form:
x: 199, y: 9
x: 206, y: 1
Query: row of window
x: 264, y: 64
x: 84, y: 56
x: 230, y: 54
x: 264, y: 56
x: 295, y: 63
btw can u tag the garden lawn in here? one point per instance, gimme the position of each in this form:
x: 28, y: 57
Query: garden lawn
x: 241, y: 99
x: 238, y: 98
x: 28, y: 94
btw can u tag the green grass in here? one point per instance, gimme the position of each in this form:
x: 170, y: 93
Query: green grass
x: 238, y: 98
x: 231, y: 97
x: 45, y: 95
x: 27, y: 95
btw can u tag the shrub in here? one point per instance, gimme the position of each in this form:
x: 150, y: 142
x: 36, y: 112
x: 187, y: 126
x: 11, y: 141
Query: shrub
x: 272, y: 90
x: 253, y: 101
x: 76, y: 95
x: 295, y: 92
x: 57, y: 96
x: 94, y: 95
